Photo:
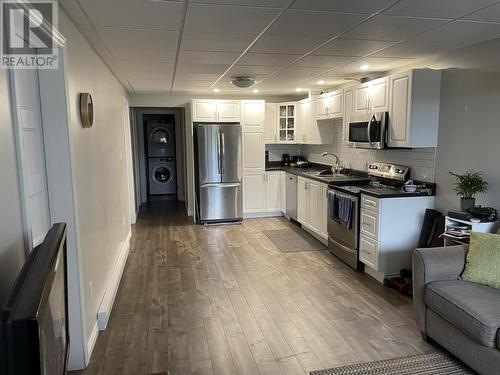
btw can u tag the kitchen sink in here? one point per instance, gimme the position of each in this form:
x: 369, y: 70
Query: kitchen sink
x: 318, y: 174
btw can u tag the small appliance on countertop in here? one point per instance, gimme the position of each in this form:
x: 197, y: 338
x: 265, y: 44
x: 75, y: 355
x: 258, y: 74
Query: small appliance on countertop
x: 285, y: 159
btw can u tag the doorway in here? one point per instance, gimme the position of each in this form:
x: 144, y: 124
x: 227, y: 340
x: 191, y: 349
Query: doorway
x: 158, y: 150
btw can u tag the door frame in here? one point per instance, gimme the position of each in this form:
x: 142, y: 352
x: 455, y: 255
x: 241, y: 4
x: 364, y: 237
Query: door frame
x: 140, y: 160
x: 129, y: 167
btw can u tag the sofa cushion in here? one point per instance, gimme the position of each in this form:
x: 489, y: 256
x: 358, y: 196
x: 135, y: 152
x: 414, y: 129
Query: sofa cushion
x: 483, y: 260
x: 472, y: 308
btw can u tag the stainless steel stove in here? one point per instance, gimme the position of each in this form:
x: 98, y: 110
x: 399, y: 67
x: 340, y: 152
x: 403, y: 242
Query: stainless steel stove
x: 344, y: 206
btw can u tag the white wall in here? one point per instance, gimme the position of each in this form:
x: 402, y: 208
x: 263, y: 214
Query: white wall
x: 12, y: 253
x: 469, y: 133
x: 99, y: 166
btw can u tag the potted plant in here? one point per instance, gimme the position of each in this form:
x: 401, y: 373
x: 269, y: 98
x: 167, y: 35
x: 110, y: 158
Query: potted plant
x: 467, y: 186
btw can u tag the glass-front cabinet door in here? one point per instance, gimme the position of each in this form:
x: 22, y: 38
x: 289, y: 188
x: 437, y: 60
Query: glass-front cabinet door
x: 286, y: 122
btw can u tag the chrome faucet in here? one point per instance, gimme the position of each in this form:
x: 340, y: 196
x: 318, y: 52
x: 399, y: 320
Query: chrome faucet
x: 338, y: 167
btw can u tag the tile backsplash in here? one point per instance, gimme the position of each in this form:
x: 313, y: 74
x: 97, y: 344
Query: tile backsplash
x: 421, y: 160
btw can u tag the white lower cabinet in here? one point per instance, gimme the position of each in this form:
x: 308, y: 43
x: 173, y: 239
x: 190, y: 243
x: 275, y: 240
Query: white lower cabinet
x: 389, y: 232
x: 273, y: 192
x: 312, y: 203
x: 254, y: 193
x: 262, y: 193
x: 283, y: 191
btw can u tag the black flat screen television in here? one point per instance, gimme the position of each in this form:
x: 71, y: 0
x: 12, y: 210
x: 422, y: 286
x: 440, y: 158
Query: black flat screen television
x: 34, y: 329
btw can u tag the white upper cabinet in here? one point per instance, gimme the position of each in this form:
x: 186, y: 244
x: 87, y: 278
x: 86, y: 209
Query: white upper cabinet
x: 212, y: 110
x: 311, y: 131
x: 330, y: 105
x: 287, y: 118
x: 348, y: 109
x: 252, y: 114
x: 253, y: 151
x: 372, y: 96
x: 414, y: 108
x: 204, y: 110
x: 270, y: 123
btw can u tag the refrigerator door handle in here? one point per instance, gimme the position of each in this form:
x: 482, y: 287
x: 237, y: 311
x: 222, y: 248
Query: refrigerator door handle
x: 218, y: 154
x: 223, y: 153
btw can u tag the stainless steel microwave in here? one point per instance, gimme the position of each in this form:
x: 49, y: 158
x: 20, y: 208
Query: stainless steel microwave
x: 369, y: 131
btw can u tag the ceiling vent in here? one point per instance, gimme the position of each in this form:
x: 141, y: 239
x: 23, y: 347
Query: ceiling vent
x: 243, y: 82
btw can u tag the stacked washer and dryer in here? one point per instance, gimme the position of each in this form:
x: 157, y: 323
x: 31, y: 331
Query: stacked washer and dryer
x: 161, y: 158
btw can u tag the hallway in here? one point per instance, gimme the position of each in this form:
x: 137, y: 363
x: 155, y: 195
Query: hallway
x: 225, y: 300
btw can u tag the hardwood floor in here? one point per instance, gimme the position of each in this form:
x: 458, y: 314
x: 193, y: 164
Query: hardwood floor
x: 224, y: 300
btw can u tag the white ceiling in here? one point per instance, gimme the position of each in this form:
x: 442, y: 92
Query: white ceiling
x: 193, y: 46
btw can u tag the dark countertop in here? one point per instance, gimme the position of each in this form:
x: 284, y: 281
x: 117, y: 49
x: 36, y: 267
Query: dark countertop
x: 303, y: 172
x: 352, y: 177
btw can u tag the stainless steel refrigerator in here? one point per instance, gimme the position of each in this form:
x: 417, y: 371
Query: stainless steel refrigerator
x: 218, y: 155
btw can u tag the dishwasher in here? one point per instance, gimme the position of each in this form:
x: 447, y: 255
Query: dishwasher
x: 291, y: 196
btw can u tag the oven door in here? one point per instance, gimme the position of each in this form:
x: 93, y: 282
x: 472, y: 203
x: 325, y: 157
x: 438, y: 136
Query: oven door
x: 336, y: 230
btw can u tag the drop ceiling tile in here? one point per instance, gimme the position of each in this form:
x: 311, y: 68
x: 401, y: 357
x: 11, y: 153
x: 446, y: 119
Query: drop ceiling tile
x: 252, y: 70
x: 437, y: 8
x: 250, y: 3
x: 462, y: 33
x: 196, y: 76
x: 376, y: 64
x: 302, y: 71
x: 203, y: 57
x: 415, y: 50
x: 318, y: 24
x: 71, y: 7
x: 223, y: 42
x: 148, y: 85
x: 286, y: 44
x: 143, y: 54
x: 184, y: 85
x: 490, y: 14
x: 345, y: 47
x: 201, y: 68
x: 392, y: 28
x: 354, y: 6
x: 227, y: 19
x: 270, y: 59
x: 138, y: 38
x: 133, y: 69
x: 324, y: 61
x: 155, y: 15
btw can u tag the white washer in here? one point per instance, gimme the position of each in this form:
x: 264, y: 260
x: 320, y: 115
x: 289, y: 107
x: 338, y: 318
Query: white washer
x: 162, y: 178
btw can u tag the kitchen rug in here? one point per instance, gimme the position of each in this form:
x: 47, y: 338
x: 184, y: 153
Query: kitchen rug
x: 292, y: 240
x: 436, y: 363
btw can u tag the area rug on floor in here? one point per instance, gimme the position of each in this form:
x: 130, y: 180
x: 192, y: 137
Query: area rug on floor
x: 430, y: 363
x: 294, y: 240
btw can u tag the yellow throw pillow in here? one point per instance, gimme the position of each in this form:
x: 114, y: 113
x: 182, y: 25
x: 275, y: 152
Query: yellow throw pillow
x: 483, y: 260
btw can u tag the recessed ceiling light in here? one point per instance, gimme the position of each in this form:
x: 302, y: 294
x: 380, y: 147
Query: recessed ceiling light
x: 255, y: 91
x: 320, y: 82
x: 364, y: 67
x: 216, y: 90
x: 298, y: 89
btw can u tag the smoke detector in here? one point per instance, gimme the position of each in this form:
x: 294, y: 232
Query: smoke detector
x: 243, y: 82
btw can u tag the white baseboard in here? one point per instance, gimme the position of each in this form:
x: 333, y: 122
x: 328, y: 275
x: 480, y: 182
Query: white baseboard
x: 315, y: 235
x: 262, y: 214
x: 112, y: 286
x: 91, y: 343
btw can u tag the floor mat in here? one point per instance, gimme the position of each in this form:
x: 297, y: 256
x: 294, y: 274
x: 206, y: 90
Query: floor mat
x: 436, y: 363
x: 292, y: 240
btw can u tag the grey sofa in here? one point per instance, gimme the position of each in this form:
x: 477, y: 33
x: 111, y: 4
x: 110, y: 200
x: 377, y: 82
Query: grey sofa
x: 462, y: 317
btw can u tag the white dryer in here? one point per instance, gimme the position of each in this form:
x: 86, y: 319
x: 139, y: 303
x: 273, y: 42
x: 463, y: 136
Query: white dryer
x: 162, y: 176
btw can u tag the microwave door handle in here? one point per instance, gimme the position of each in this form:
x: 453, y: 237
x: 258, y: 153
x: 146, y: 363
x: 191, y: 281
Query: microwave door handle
x: 369, y: 130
